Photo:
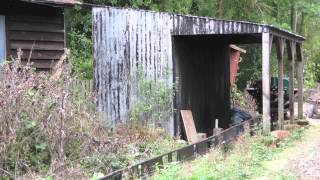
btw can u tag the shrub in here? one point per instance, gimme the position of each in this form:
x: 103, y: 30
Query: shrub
x: 154, y: 104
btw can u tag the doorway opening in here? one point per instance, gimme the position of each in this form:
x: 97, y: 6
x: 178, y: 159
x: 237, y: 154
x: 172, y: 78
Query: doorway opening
x: 202, y: 79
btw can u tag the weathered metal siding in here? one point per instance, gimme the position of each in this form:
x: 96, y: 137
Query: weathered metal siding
x: 123, y: 40
x: 192, y: 25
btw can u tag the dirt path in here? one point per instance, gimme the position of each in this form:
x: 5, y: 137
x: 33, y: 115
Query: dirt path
x: 302, y: 160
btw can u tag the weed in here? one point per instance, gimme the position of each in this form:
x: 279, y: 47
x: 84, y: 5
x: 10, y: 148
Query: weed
x: 154, y: 105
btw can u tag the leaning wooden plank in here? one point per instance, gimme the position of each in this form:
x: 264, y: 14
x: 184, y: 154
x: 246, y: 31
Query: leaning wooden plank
x: 189, y: 126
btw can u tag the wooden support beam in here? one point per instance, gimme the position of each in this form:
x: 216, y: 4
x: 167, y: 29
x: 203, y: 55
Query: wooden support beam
x: 280, y: 53
x: 266, y: 47
x: 300, y: 65
x: 291, y: 59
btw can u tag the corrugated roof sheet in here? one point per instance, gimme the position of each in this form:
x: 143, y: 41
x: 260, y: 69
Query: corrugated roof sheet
x: 220, y: 26
x: 54, y: 2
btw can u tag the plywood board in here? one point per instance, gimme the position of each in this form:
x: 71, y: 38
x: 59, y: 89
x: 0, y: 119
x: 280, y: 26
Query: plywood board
x: 189, y: 126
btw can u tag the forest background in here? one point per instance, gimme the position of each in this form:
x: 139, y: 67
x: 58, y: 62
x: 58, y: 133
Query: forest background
x: 299, y: 16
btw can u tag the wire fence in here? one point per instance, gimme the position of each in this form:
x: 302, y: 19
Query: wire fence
x: 148, y: 167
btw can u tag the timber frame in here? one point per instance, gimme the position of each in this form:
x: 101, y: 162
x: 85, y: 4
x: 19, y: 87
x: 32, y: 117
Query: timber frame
x: 295, y: 62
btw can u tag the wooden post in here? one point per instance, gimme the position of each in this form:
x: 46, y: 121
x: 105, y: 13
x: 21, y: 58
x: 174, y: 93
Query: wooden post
x: 280, y: 52
x: 291, y: 59
x: 300, y: 79
x: 266, y: 46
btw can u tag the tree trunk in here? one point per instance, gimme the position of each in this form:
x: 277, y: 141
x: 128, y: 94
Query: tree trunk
x: 302, y: 29
x: 220, y: 9
x: 293, y: 18
x: 194, y: 7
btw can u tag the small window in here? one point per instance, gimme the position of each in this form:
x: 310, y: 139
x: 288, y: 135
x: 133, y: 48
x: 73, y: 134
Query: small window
x: 2, y: 38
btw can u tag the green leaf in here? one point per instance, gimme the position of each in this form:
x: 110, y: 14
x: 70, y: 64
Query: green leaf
x: 41, y: 146
x: 30, y: 124
x: 97, y: 176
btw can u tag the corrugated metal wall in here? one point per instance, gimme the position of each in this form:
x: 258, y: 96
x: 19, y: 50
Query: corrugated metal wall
x: 124, y: 39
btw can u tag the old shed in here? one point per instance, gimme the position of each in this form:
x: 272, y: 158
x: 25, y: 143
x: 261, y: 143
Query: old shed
x: 36, y: 25
x: 192, y: 53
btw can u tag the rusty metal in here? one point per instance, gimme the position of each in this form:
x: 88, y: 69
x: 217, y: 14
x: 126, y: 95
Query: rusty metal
x: 147, y: 167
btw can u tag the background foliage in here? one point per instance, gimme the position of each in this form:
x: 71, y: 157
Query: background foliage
x: 301, y: 16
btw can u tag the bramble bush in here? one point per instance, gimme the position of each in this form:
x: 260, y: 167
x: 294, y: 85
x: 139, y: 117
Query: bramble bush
x: 49, y: 129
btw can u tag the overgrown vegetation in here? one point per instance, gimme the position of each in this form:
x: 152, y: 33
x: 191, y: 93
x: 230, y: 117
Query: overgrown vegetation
x: 243, y: 160
x: 154, y: 105
x: 49, y: 129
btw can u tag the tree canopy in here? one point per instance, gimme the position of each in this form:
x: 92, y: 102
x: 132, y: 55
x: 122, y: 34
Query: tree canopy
x: 300, y: 16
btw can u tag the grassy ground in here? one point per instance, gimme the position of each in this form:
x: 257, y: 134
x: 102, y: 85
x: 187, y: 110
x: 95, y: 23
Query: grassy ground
x: 296, y: 160
x: 257, y: 157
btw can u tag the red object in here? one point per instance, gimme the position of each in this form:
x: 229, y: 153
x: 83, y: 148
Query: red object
x: 235, y: 53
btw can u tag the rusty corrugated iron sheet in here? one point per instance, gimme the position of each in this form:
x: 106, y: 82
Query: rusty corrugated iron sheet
x: 55, y: 2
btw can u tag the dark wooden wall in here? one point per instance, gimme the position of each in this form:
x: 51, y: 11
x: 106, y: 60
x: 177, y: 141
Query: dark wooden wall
x: 202, y: 77
x: 37, y: 27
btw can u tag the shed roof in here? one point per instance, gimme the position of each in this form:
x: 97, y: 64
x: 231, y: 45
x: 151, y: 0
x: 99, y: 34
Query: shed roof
x: 198, y: 25
x: 55, y: 2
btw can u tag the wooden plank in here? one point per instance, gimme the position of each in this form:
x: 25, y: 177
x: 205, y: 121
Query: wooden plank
x: 189, y: 126
x: 151, y: 165
x: 41, y: 64
x: 201, y: 136
x: 237, y: 48
x: 27, y: 45
x: 202, y: 148
x: 186, y: 153
x: 39, y: 54
x: 291, y: 60
x: 36, y: 27
x: 37, y: 19
x: 280, y: 53
x: 300, y: 64
x: 36, y: 36
x: 266, y: 82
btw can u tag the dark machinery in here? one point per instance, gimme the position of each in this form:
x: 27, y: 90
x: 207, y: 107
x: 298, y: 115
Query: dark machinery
x: 256, y: 92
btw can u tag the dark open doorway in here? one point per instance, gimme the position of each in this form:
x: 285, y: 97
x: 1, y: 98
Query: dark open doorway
x: 202, y: 77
